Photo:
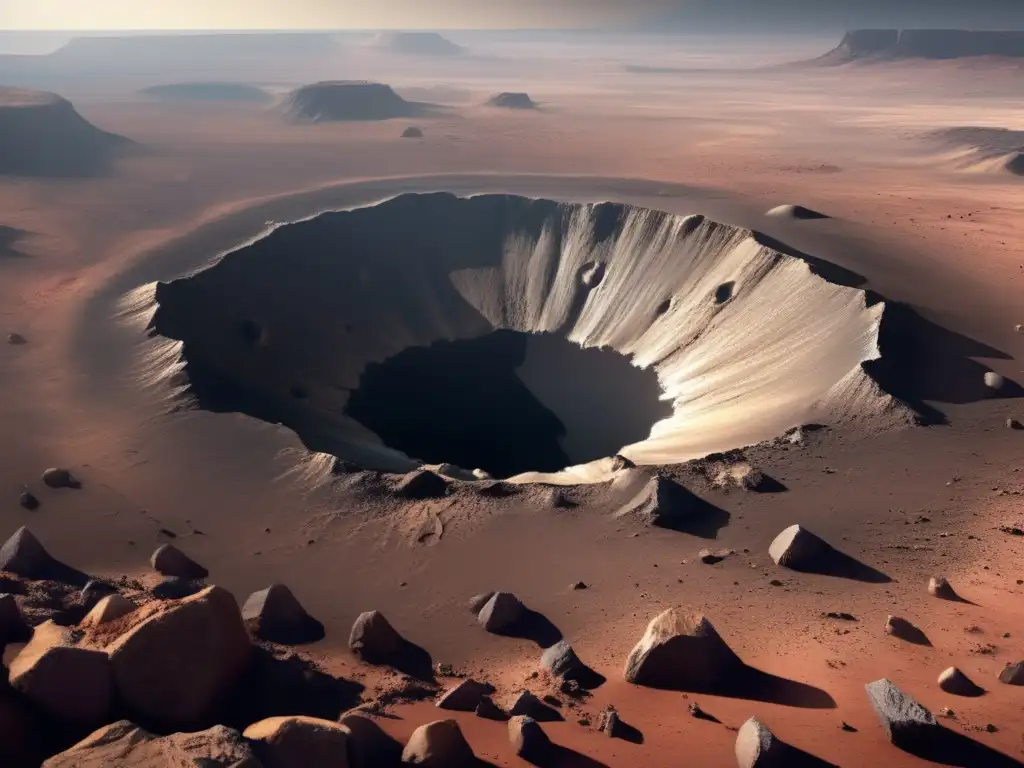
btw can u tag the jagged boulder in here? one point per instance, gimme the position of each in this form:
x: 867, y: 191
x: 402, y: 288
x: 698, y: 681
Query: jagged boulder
x: 171, y: 561
x: 438, y: 745
x: 422, y: 484
x: 682, y: 651
x: 24, y: 555
x: 274, y: 614
x: 124, y: 745
x: 662, y: 502
x: 373, y: 639
x: 465, y: 697
x: 757, y: 747
x: 110, y: 608
x: 57, y: 477
x: 501, y: 613
x: 72, y: 684
x: 907, y: 724
x: 527, y: 738
x: 295, y: 740
x: 956, y: 682
x: 798, y: 549
x: 561, y: 661
x: 1012, y: 674
x: 180, y: 660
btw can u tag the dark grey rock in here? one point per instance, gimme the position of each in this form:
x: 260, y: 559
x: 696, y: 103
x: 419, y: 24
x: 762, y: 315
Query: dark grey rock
x: 373, y: 639
x: 561, y: 661
x: 24, y: 555
x: 488, y: 710
x: 527, y: 738
x: 55, y: 477
x: 173, y: 588
x: 171, y: 561
x: 1012, y: 674
x: 501, y: 612
x: 28, y: 501
x: 94, y: 591
x: 465, y: 697
x: 275, y: 615
x: 798, y: 549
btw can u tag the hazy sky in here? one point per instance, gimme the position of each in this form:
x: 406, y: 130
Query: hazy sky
x: 452, y: 14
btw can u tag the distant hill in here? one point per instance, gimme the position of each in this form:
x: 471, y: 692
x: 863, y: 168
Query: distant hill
x: 237, y: 92
x: 889, y: 44
x: 418, y: 43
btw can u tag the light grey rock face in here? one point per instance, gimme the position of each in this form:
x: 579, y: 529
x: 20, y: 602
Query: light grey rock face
x: 171, y: 561
x: 373, y: 639
x: 757, y: 747
x: 956, y: 682
x: 681, y: 651
x: 465, y: 697
x: 798, y: 549
x: 1012, y: 674
x: 501, y: 612
x: 24, y: 555
x: 662, y: 502
x: 561, y: 661
x: 994, y: 381
x: 610, y: 724
x: 906, y: 723
x: 527, y: 737
x: 438, y: 745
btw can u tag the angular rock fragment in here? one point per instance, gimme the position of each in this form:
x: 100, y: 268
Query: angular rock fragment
x: 124, y: 745
x: 24, y: 555
x: 73, y: 684
x: 171, y: 561
x: 422, y: 484
x: 956, y: 682
x: 798, y: 549
x: 275, y: 615
x: 528, y: 704
x: 488, y: 710
x: 110, y: 608
x: 501, y: 613
x: 56, y: 477
x: 296, y: 740
x: 438, y: 745
x: 908, y: 725
x: 180, y: 660
x: 757, y: 747
x: 527, y: 738
x: 561, y: 661
x: 373, y: 639
x: 1012, y: 674
x: 465, y: 697
x: 662, y: 502
x: 939, y: 587
x: 610, y: 724
x: 681, y: 651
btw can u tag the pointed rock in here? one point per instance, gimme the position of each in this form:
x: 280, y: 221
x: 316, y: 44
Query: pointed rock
x: 501, y: 612
x: 180, y: 660
x: 528, y: 704
x: 465, y: 697
x: 956, y: 682
x: 610, y: 724
x: 527, y: 738
x: 275, y: 615
x: 662, y: 502
x: 73, y: 684
x: 373, y: 639
x: 22, y: 554
x: 55, y: 477
x: 422, y: 484
x: 1012, y: 674
x: 757, y: 747
x: 561, y: 661
x: 488, y: 710
x: 438, y: 745
x: 124, y: 744
x: 110, y: 608
x: 477, y: 602
x: 798, y: 549
x: 13, y: 628
x: 939, y: 587
x: 907, y: 724
x: 171, y: 561
x: 296, y: 740
x: 681, y: 651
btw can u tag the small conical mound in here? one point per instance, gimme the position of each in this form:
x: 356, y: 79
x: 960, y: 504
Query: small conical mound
x: 24, y: 555
x: 171, y: 561
x: 527, y: 738
x: 662, y: 502
x: 798, y: 212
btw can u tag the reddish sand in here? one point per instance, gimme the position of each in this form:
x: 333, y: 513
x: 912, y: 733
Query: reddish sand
x: 728, y: 145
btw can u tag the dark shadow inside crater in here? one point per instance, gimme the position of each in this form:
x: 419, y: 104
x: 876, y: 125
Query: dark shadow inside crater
x: 508, y: 402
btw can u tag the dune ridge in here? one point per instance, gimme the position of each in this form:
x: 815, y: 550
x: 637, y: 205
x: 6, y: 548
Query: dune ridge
x: 746, y: 341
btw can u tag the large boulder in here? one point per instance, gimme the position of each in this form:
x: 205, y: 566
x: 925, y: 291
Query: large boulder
x: 682, y: 651
x: 286, y: 742
x: 180, y: 660
x: 798, y: 549
x: 465, y: 697
x: 527, y: 738
x: 662, y: 502
x: 501, y: 613
x: 110, y: 608
x: 274, y: 614
x: 171, y: 561
x: 907, y: 724
x: 125, y: 745
x: 24, y: 555
x: 561, y: 661
x: 373, y: 639
x: 438, y: 745
x: 757, y: 747
x: 72, y: 684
